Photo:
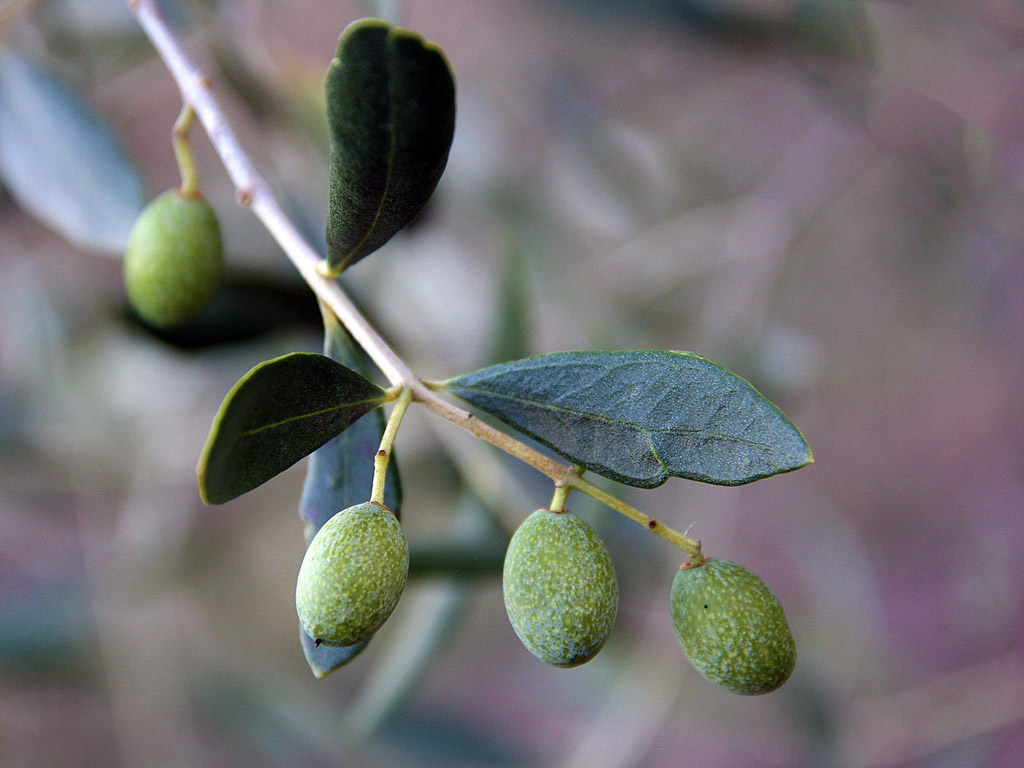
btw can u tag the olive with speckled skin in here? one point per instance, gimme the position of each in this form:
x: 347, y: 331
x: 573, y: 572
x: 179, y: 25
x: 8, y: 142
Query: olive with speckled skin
x: 560, y: 589
x: 174, y: 259
x: 352, y: 575
x: 732, y: 628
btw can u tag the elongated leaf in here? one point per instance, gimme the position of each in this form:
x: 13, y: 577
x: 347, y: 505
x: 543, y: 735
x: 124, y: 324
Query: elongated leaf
x: 61, y: 160
x: 641, y: 417
x: 340, y: 473
x: 391, y: 116
x: 279, y: 412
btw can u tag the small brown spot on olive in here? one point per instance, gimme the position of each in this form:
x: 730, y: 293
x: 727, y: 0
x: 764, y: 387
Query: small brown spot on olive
x: 652, y: 524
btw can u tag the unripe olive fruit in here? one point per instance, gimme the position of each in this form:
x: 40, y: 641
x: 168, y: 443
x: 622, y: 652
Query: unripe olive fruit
x: 352, y: 575
x: 560, y: 589
x: 731, y: 627
x: 174, y: 259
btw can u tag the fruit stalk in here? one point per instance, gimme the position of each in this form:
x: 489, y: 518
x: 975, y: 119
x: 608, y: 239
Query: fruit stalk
x: 183, y: 152
x: 558, y: 498
x: 690, y: 546
x: 387, y: 441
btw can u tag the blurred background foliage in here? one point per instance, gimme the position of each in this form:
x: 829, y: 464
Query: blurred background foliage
x: 826, y: 196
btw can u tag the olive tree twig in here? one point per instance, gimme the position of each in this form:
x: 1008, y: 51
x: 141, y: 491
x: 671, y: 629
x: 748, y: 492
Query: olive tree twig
x: 253, y: 191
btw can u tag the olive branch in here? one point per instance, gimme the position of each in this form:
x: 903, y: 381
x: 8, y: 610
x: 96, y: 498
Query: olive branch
x: 254, y: 192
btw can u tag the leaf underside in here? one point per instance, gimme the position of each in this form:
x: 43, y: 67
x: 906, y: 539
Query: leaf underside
x: 324, y: 659
x: 62, y: 161
x: 339, y: 474
x: 640, y: 417
x: 279, y: 412
x: 391, y: 117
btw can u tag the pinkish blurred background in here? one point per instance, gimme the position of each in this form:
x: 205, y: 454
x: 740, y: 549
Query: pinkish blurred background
x: 825, y: 196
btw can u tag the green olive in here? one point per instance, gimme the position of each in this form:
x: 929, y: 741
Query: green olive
x: 560, y: 589
x: 731, y: 627
x: 352, y: 575
x: 174, y: 259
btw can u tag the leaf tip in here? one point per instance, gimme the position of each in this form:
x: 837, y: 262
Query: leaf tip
x: 810, y: 457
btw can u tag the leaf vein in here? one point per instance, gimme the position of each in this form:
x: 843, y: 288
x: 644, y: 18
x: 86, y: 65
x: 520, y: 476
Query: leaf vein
x: 302, y: 416
x: 554, y: 408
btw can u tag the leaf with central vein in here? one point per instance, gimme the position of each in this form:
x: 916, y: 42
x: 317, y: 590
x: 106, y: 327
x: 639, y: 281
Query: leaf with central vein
x: 391, y: 115
x: 641, y: 417
x: 279, y: 412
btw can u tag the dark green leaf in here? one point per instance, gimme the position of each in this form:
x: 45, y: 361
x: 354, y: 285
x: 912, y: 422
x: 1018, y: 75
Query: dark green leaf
x: 641, y: 417
x: 61, y: 160
x: 279, y: 412
x: 340, y: 473
x: 391, y: 116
